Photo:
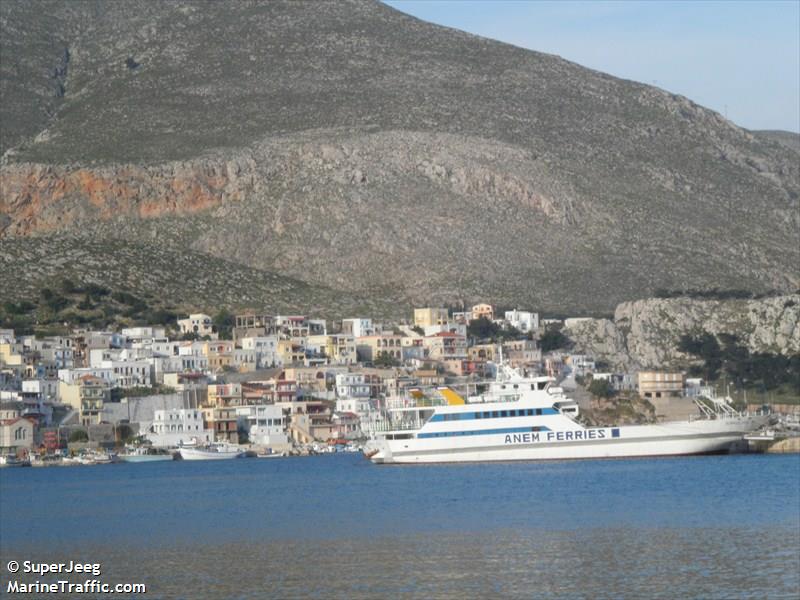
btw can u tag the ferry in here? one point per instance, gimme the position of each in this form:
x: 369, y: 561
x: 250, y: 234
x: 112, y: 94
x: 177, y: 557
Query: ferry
x: 530, y: 418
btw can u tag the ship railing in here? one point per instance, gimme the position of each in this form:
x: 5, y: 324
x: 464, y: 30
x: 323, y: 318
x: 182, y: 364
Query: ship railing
x: 382, y: 426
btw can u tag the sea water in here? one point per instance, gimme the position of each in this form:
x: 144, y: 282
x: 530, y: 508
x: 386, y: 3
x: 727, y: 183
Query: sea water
x: 337, y: 526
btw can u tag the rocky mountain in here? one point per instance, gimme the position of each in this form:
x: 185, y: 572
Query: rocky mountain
x: 790, y: 139
x: 351, y: 148
x: 645, y: 333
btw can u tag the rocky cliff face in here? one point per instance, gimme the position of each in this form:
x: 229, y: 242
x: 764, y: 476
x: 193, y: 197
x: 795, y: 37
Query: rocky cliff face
x: 645, y: 333
x: 350, y: 146
x: 37, y: 198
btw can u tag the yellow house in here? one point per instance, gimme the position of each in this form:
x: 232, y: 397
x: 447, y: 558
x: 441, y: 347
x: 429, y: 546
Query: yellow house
x: 483, y: 310
x: 290, y: 352
x: 370, y: 347
x: 660, y: 384
x: 9, y: 355
x: 224, y: 394
x: 425, y: 317
x: 483, y: 352
x: 86, y: 395
x: 219, y: 354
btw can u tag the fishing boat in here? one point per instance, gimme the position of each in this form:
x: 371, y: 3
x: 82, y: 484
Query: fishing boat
x: 210, y: 452
x: 271, y: 455
x: 11, y: 460
x: 143, y: 454
x: 530, y: 418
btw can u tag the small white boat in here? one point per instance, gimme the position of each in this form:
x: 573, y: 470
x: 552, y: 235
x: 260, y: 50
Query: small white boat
x: 271, y: 455
x: 11, y: 460
x: 140, y: 455
x: 212, y: 452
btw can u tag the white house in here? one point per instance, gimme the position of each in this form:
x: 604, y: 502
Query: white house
x: 70, y: 376
x: 266, y: 350
x: 41, y: 389
x: 449, y: 327
x: 264, y: 423
x: 523, y: 320
x: 129, y: 373
x: 352, y: 385
x: 137, y: 334
x: 177, y: 426
x: 358, y: 327
x: 582, y: 364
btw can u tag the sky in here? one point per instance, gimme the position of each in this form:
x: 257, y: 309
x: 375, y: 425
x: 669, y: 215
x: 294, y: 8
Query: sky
x: 739, y: 58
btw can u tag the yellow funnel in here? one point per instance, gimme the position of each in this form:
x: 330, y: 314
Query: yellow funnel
x: 451, y: 397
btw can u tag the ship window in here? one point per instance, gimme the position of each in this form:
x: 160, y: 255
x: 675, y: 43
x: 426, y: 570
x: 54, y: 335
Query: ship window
x: 538, y: 412
x: 530, y: 412
x: 477, y: 415
x: 541, y: 384
x: 533, y: 387
x: 535, y: 429
x: 516, y: 386
x: 495, y: 414
x: 503, y: 413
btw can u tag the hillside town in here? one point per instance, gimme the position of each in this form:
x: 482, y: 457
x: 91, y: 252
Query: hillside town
x: 278, y: 384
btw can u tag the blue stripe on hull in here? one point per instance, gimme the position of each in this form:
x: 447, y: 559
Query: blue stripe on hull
x: 527, y: 429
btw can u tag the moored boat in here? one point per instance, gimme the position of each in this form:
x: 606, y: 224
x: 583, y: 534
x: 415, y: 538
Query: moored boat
x: 11, y: 460
x: 211, y: 452
x: 143, y: 454
x: 529, y: 418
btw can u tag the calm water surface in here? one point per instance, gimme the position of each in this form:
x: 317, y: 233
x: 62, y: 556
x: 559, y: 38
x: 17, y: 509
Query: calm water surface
x: 339, y: 527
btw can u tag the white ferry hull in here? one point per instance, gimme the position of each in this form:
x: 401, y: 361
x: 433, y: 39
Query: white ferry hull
x: 679, y: 438
x: 198, y: 454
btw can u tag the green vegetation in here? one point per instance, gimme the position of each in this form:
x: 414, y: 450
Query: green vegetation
x: 484, y: 329
x: 714, y: 294
x: 626, y: 408
x: 554, y: 339
x: 724, y: 356
x: 136, y: 392
x: 224, y: 321
x: 125, y: 434
x: 384, y: 359
x: 784, y: 394
x: 53, y: 311
x: 601, y: 388
x: 79, y: 435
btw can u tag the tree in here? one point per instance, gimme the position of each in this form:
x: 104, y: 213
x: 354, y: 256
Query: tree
x: 601, y: 388
x: 79, y: 435
x: 86, y: 303
x: 384, y: 359
x: 223, y: 324
x: 482, y: 328
x: 68, y: 286
x: 553, y: 339
x: 124, y: 433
